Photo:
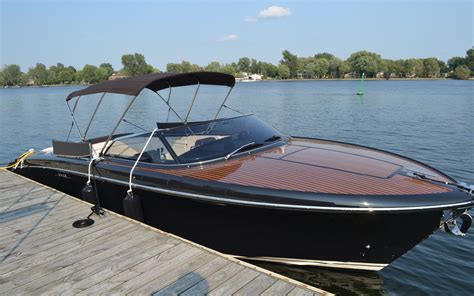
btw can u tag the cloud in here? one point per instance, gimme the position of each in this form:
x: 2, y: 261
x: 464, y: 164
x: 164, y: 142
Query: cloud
x: 274, y: 12
x: 269, y: 13
x: 230, y: 37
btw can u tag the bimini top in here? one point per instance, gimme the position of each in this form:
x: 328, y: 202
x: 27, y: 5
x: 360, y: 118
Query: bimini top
x: 155, y: 82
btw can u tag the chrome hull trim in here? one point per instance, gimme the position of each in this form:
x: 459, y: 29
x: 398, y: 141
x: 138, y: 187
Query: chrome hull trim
x: 319, y: 263
x: 208, y: 198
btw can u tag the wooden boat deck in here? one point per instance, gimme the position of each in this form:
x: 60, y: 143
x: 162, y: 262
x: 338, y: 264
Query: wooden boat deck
x: 40, y: 252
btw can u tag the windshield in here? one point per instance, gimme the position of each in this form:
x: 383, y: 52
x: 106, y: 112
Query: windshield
x: 219, y: 138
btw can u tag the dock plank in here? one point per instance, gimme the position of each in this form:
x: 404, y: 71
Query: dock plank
x: 213, y: 281
x: 190, y: 279
x: 257, y: 286
x: 235, y: 283
x: 145, y: 276
x: 91, y: 275
x: 41, y: 253
x: 174, y: 274
x: 278, y: 288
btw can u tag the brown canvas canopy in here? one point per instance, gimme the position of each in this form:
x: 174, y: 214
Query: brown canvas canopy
x: 155, y: 82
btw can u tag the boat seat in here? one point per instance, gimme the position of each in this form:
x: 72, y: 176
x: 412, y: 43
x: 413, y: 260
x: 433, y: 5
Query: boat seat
x: 71, y: 149
x: 203, y: 141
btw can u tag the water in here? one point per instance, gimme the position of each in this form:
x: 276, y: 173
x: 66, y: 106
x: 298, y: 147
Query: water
x: 431, y: 121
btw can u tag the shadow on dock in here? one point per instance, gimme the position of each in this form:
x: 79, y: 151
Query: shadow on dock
x: 188, y: 284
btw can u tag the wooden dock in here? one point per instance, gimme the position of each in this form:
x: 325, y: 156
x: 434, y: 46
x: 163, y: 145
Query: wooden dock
x: 40, y: 252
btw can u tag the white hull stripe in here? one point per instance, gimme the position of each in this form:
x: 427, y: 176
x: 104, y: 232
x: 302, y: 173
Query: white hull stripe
x: 319, y: 263
x: 208, y: 198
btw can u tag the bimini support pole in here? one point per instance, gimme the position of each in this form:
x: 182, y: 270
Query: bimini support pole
x: 192, y: 103
x: 132, y: 206
x: 73, y: 118
x: 93, y: 115
x: 117, y: 125
x: 167, y: 102
x: 223, y: 103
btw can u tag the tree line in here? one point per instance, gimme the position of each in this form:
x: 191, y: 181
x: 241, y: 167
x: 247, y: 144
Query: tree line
x: 321, y: 65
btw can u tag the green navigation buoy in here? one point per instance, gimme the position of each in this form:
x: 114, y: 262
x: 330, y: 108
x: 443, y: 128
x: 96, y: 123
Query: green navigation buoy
x: 361, y: 86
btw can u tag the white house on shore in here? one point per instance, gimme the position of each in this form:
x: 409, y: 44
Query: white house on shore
x: 246, y: 77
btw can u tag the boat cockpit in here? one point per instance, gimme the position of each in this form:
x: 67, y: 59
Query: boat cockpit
x: 193, y: 142
x: 170, y: 142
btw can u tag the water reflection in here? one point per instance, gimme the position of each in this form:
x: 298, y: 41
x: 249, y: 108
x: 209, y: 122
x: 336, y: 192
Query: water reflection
x: 338, y: 281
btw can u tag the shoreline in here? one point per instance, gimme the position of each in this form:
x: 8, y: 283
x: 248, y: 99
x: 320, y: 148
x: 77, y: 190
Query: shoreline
x: 358, y: 79
x: 266, y: 80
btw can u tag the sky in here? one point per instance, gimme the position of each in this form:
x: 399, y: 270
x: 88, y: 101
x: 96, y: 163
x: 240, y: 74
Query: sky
x: 93, y: 32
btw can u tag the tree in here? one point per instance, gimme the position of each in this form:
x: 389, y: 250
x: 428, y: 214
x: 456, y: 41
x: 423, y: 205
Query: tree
x: 283, y: 71
x: 391, y: 67
x: 462, y: 72
x: 324, y: 55
x: 101, y: 74
x: 255, y: 66
x: 301, y: 64
x: 108, y: 68
x: 334, y: 67
x: 2, y: 78
x: 39, y: 74
x: 413, y: 68
x: 309, y: 70
x: 12, y: 75
x: 365, y: 62
x: 454, y: 62
x: 243, y: 65
x: 213, y: 67
x: 443, y: 68
x: 289, y: 60
x: 228, y: 69
x: 188, y: 67
x: 431, y: 67
x: 66, y: 75
x: 73, y: 71
x: 470, y: 60
x: 79, y: 77
x: 321, y: 67
x: 53, y: 73
x: 270, y: 70
x: 135, y: 65
x: 344, y: 68
x: 88, y: 74
x: 173, y: 67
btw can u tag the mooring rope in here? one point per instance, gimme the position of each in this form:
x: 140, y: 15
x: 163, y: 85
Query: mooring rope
x: 19, y: 160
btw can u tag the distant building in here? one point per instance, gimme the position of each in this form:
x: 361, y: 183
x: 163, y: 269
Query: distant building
x: 30, y: 81
x: 255, y: 77
x: 246, y: 77
x: 116, y: 75
x: 351, y: 75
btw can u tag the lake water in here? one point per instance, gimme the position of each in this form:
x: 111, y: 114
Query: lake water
x: 431, y: 121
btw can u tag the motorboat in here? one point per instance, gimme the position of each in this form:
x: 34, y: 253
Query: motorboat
x: 240, y: 186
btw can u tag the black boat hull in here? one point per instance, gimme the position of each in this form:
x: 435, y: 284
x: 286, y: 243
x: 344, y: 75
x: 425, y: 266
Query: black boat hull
x: 363, y: 240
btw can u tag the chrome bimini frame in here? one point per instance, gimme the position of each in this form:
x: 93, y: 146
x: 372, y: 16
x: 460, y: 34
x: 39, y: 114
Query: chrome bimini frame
x: 166, y: 101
